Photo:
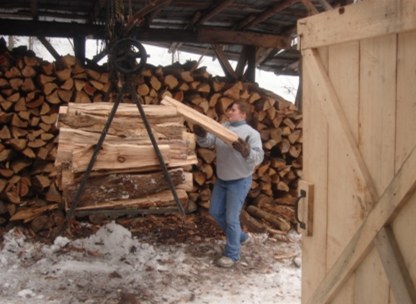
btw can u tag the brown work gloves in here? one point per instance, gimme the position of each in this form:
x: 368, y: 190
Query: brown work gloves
x: 242, y: 146
x: 199, y: 131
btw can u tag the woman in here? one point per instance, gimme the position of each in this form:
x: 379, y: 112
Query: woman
x: 234, y: 168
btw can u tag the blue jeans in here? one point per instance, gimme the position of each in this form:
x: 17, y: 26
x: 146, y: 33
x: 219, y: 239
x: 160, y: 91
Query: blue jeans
x: 226, y: 203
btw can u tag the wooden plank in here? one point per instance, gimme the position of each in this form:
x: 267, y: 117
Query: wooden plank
x: 365, y: 19
x: 315, y: 142
x: 121, y: 186
x: 395, y: 267
x: 310, y: 7
x: 198, y: 35
x: 206, y: 122
x: 403, y: 227
x: 377, y: 111
x: 133, y: 126
x: 121, y: 156
x: 336, y: 118
x: 406, y: 92
x: 70, y: 139
x: 162, y: 199
x: 405, y: 224
x: 217, y: 36
x: 343, y: 218
x: 123, y: 110
x: 346, y: 293
x: 391, y: 202
x: 371, y: 283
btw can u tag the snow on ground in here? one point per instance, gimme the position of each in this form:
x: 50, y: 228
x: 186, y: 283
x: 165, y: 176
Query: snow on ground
x: 112, y: 266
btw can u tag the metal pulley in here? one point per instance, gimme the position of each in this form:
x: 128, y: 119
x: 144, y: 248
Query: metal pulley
x: 128, y: 56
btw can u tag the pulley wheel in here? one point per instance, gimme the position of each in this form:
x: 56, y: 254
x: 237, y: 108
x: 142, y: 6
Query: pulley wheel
x: 128, y: 56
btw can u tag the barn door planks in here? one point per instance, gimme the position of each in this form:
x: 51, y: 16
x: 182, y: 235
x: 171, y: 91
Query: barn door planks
x: 359, y: 152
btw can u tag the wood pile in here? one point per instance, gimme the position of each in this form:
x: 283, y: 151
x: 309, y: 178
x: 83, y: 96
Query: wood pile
x: 127, y: 173
x: 32, y: 92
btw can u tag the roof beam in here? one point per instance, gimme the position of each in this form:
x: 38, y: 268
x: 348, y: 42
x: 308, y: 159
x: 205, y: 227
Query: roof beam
x: 310, y: 7
x: 225, y: 64
x: 34, y: 9
x: 213, y: 12
x: 266, y: 14
x: 243, y: 38
x: 326, y: 5
x: 49, y: 47
x: 200, y: 35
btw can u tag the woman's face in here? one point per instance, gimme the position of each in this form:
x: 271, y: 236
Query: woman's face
x: 234, y: 114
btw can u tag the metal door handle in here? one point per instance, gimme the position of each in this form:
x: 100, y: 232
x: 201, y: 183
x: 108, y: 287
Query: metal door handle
x: 302, y: 195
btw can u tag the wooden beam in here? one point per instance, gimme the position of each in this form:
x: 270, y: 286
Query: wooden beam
x: 397, y: 194
x: 241, y: 63
x: 225, y: 64
x: 250, y: 74
x: 154, y: 13
x: 331, y: 106
x: 395, y: 267
x: 79, y: 48
x: 137, y: 18
x: 263, y: 54
x: 119, y: 157
x: 150, y: 202
x: 100, y: 56
x: 354, y: 22
x: 310, y: 7
x: 266, y: 14
x: 95, y: 8
x: 326, y: 5
x: 34, y: 9
x: 243, y: 38
x: 49, y: 47
x: 201, y: 35
x: 214, y: 11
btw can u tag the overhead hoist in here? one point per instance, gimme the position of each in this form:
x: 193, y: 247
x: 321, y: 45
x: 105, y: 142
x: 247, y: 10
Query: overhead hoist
x: 126, y: 58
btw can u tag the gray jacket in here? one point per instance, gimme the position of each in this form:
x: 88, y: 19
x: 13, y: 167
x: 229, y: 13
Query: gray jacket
x: 230, y: 163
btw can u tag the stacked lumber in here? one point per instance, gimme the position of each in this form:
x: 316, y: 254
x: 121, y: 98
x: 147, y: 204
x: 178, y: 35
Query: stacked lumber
x: 32, y: 92
x: 126, y: 173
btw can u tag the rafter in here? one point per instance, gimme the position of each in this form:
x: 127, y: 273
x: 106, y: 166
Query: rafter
x: 326, y: 5
x: 241, y: 63
x: 49, y: 47
x: 138, y: 17
x: 214, y: 11
x: 310, y: 7
x: 200, y: 35
x: 34, y: 9
x: 225, y: 64
x: 266, y: 14
x: 263, y: 54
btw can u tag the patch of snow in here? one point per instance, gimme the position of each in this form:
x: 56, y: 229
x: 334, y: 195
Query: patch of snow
x: 112, y: 266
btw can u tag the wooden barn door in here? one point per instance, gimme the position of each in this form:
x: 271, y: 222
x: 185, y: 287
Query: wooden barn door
x: 359, y: 107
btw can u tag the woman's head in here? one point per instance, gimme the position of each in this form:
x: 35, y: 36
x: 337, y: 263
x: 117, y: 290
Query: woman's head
x: 238, y: 111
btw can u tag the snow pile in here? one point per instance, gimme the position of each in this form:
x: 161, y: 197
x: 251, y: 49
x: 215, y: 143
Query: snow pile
x: 112, y: 266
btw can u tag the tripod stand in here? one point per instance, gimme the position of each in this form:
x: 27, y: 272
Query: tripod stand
x: 123, y: 67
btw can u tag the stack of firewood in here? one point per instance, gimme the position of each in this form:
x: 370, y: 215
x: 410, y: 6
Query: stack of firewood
x: 32, y: 91
x: 127, y: 173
